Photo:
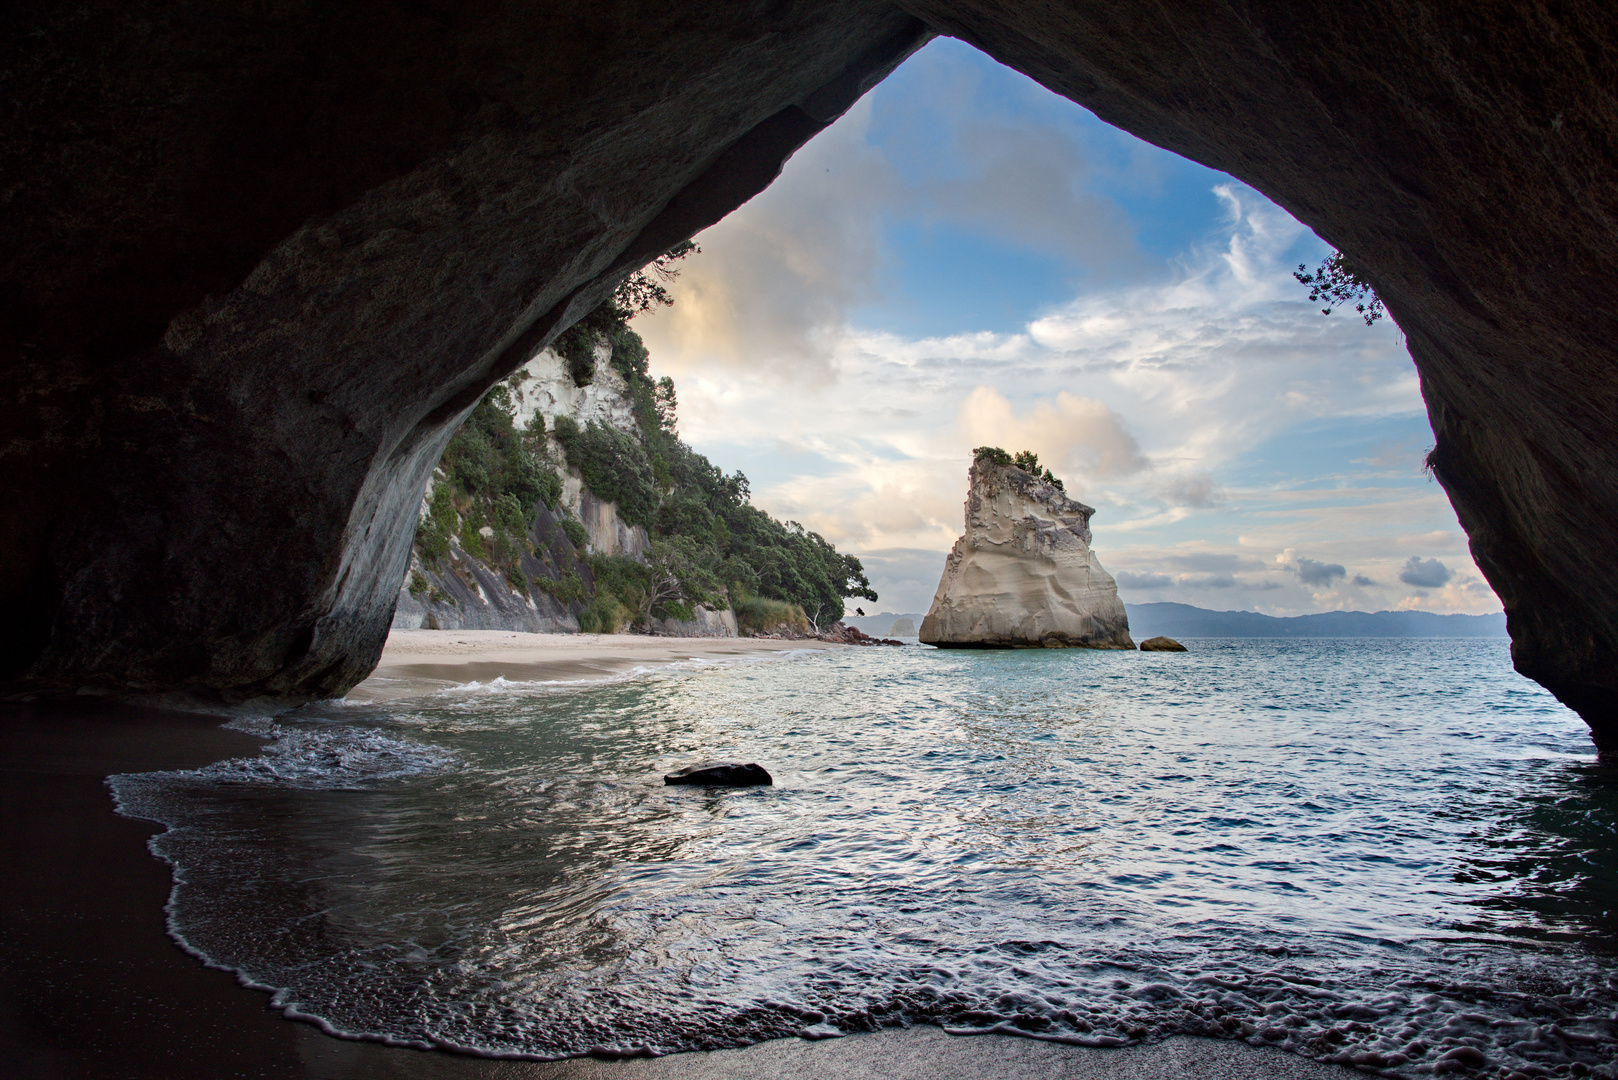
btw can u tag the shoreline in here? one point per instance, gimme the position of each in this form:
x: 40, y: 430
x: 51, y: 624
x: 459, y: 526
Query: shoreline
x: 93, y: 986
x: 420, y: 661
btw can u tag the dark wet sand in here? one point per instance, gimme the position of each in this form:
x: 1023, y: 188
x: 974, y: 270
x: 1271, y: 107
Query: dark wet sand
x: 92, y: 987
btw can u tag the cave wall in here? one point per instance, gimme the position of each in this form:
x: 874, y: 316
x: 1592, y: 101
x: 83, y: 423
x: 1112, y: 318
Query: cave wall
x: 259, y: 261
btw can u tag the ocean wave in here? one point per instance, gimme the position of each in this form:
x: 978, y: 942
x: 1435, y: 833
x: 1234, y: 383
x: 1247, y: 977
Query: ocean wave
x: 324, y: 757
x: 475, y: 690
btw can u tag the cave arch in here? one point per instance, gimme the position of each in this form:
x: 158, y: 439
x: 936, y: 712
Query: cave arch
x: 258, y: 267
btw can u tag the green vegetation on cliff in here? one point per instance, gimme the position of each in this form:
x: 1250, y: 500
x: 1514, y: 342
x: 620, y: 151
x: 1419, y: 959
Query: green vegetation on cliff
x: 494, y: 477
x: 709, y: 544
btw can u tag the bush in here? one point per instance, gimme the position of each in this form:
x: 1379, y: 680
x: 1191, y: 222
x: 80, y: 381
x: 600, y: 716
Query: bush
x: 758, y: 615
x: 471, y: 460
x: 441, y: 523
x: 623, y: 579
x: 603, y: 615
x: 1026, y: 460
x: 509, y: 516
x: 577, y: 347
x: 569, y: 590
x: 471, y: 536
x: 615, y: 467
x: 576, y: 534
x: 531, y: 482
x: 418, y: 584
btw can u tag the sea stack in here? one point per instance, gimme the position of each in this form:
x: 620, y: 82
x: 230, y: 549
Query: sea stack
x: 1023, y: 575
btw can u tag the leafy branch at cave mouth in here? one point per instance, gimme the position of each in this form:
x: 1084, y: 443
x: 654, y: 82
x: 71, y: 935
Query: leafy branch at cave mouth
x: 1336, y: 282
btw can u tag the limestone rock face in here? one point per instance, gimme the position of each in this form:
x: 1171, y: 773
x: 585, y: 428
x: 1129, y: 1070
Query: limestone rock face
x: 704, y: 622
x: 1023, y: 575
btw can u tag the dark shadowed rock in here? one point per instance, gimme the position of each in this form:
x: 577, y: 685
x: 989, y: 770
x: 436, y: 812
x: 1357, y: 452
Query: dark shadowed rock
x: 253, y: 271
x: 723, y: 774
x: 843, y: 634
x: 1161, y: 644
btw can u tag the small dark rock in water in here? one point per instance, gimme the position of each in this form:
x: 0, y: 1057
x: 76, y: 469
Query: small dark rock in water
x: 1161, y: 644
x: 722, y: 774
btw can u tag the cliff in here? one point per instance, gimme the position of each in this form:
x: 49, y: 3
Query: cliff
x: 548, y: 577
x: 1023, y: 574
x: 567, y: 502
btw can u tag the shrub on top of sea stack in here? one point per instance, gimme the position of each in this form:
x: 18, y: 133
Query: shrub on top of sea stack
x: 1162, y: 644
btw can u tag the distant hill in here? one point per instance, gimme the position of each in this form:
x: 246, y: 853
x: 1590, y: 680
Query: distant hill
x: 878, y: 625
x: 1183, y: 620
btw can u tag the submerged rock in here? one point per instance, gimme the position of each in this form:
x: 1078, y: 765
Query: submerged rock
x: 1023, y: 574
x: 1162, y: 644
x: 721, y: 774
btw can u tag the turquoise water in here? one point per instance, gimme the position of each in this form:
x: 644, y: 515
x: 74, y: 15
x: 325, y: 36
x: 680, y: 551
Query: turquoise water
x: 1392, y: 853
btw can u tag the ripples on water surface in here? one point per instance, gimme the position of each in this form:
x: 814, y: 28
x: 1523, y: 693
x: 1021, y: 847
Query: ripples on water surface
x: 1391, y: 853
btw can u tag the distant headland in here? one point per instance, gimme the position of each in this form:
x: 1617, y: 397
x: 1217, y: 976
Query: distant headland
x: 1183, y: 620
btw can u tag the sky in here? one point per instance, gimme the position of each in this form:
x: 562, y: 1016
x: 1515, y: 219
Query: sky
x: 967, y: 259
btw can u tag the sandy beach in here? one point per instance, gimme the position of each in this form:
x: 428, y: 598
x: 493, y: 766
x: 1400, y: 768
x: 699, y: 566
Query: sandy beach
x: 419, y: 661
x: 92, y: 986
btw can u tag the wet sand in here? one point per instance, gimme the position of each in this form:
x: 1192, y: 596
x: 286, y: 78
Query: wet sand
x: 418, y: 661
x: 92, y: 987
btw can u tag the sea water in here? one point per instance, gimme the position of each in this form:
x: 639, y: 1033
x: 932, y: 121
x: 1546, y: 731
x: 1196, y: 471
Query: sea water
x: 1391, y: 853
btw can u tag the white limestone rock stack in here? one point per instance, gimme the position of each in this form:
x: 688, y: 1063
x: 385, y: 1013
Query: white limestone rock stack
x: 1023, y: 575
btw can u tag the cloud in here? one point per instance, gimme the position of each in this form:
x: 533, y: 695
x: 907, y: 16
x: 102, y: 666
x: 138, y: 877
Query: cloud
x: 1406, y: 454
x: 972, y: 159
x: 1076, y: 434
x: 908, y: 578
x: 1363, y: 582
x: 1425, y: 573
x: 1211, y: 562
x: 1193, y: 489
x: 774, y: 283
x: 1128, y: 579
x: 1311, y: 572
x: 1208, y: 581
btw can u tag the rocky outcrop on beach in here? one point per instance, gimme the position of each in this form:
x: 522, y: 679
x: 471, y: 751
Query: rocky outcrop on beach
x: 843, y: 634
x: 1023, y: 574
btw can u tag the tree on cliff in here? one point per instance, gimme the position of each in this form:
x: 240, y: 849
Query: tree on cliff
x: 637, y: 294
x: 647, y: 288
x: 1026, y: 460
x: 1336, y: 281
